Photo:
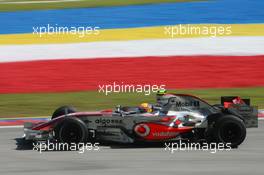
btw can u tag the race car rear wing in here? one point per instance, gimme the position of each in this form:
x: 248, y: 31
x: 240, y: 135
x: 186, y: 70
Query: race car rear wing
x: 234, y: 99
x: 241, y: 107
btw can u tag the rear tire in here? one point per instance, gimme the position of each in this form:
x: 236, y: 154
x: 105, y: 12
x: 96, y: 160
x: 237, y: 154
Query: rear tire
x: 63, y: 110
x: 229, y: 129
x: 71, y: 130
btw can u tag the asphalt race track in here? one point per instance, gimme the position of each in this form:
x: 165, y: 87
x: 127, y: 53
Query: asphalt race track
x: 247, y: 159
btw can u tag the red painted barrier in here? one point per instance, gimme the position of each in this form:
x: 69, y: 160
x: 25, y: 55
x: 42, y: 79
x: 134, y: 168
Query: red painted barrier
x: 174, y: 72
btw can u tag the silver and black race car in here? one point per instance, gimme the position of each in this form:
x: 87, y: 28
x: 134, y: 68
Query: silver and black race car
x: 174, y: 117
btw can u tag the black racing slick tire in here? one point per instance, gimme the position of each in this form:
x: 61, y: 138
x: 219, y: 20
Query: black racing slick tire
x: 71, y: 130
x: 230, y: 130
x: 63, y: 110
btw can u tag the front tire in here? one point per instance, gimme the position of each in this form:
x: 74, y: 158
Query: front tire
x: 71, y: 130
x: 63, y: 110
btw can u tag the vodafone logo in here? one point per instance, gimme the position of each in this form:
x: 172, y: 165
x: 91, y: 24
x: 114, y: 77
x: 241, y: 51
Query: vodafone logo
x: 142, y: 130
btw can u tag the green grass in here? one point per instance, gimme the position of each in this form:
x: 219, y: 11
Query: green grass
x: 77, y: 4
x: 28, y: 105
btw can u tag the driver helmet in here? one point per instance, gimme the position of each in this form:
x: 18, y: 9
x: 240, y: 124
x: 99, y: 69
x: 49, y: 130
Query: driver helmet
x: 147, y: 107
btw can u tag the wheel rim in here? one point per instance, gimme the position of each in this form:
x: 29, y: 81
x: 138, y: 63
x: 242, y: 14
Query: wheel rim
x: 71, y: 133
x: 230, y: 133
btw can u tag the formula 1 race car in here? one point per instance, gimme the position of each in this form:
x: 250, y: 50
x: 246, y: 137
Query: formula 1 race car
x: 174, y: 117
